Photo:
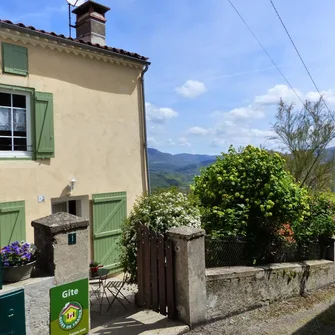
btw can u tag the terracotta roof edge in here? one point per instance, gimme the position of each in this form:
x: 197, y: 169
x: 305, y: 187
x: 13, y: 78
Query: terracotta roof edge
x: 71, y: 41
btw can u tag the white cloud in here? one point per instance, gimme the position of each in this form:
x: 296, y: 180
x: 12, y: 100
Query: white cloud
x: 285, y: 93
x: 218, y: 142
x: 274, y: 94
x: 191, y: 89
x: 152, y: 142
x: 249, y: 112
x: 170, y: 142
x: 182, y: 141
x: 159, y: 114
x: 328, y: 96
x: 239, y: 136
x: 240, y: 114
x: 198, y: 131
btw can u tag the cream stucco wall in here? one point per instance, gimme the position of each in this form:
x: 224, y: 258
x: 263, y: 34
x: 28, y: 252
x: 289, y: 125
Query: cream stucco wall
x: 98, y: 132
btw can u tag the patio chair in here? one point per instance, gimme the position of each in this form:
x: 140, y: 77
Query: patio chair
x: 115, y: 287
x: 98, y: 287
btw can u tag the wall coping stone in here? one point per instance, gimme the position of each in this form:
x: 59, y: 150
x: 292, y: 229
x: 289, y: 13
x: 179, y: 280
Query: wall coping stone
x: 60, y: 223
x: 12, y: 287
x: 186, y: 233
x: 250, y: 271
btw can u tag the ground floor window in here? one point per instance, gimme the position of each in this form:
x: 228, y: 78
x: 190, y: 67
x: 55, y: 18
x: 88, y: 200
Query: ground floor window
x: 71, y: 207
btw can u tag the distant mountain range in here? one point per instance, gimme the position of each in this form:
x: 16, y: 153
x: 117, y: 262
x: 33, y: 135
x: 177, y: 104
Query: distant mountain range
x: 179, y: 170
x: 175, y: 170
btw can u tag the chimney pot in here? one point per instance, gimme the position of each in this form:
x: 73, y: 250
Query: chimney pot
x: 91, y: 22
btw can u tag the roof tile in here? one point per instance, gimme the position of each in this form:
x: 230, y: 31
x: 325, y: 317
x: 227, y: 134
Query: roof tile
x: 115, y: 50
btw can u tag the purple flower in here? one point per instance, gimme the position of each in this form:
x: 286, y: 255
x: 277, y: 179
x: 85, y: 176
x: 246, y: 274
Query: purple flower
x: 18, y: 253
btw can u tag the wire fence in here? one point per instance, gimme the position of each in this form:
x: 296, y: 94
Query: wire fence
x: 240, y: 252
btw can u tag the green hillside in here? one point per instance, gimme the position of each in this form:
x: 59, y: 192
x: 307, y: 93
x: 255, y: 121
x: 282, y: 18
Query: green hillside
x: 178, y: 170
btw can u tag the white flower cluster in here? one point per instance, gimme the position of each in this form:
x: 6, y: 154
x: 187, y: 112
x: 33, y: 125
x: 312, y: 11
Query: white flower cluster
x: 169, y: 210
x: 160, y: 212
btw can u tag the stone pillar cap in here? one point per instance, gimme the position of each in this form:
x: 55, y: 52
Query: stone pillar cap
x: 60, y: 223
x: 186, y: 233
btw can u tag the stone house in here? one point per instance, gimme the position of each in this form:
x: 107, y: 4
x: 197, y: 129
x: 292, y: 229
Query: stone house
x: 72, y: 129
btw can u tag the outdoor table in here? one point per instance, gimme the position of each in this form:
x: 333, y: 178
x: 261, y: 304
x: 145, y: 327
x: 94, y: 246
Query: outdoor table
x: 98, y: 285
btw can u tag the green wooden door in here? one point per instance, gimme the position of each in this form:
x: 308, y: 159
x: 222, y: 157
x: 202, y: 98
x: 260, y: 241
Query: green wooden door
x: 109, y: 212
x: 12, y: 222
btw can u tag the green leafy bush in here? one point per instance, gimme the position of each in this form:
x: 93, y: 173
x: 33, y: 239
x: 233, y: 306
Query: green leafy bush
x: 321, y: 221
x: 249, y: 193
x: 160, y: 211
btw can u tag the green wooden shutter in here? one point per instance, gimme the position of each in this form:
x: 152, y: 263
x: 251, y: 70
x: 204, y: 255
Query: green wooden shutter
x: 12, y: 222
x: 44, y: 126
x: 109, y: 213
x: 12, y: 313
x: 14, y: 59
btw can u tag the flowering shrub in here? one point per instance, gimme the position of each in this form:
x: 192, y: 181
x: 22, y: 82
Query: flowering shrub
x: 320, y: 223
x: 18, y: 254
x: 286, y: 233
x: 159, y: 211
x: 246, y: 190
x: 249, y: 193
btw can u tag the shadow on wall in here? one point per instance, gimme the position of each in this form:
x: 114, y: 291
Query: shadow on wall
x: 323, y: 324
x: 93, y: 74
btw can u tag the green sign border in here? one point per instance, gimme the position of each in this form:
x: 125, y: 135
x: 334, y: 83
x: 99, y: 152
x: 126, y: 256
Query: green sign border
x: 77, y: 293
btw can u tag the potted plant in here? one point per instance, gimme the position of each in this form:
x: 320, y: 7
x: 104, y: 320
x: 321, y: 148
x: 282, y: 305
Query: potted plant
x: 18, y: 259
x: 94, y: 267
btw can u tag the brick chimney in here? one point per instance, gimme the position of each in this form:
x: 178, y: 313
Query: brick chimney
x: 91, y: 22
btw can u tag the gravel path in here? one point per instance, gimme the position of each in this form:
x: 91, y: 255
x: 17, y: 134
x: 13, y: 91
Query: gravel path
x: 310, y: 315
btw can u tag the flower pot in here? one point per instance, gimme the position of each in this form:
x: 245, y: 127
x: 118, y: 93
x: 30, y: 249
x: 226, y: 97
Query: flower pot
x: 12, y: 274
x: 94, y: 269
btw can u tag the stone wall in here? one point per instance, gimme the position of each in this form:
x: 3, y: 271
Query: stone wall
x: 236, y: 289
x: 37, y: 303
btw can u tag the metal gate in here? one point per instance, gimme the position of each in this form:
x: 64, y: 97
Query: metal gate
x: 155, y: 272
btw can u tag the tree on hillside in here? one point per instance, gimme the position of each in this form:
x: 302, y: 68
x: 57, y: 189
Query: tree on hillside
x: 306, y: 134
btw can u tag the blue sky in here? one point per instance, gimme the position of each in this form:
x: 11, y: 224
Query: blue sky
x: 210, y: 84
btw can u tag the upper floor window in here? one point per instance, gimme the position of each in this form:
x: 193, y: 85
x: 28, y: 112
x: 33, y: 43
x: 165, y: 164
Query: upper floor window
x: 15, y: 124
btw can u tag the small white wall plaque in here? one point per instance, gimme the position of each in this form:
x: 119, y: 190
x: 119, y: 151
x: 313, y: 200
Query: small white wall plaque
x: 41, y: 198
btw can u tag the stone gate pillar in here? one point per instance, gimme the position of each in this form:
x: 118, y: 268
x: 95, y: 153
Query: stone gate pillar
x: 190, y: 274
x: 63, y: 243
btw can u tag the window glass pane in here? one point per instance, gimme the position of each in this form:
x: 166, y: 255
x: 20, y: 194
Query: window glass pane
x: 60, y: 207
x: 20, y: 144
x: 19, y: 101
x: 5, y: 144
x: 19, y: 122
x: 4, y: 99
x: 13, y: 123
x: 5, y: 122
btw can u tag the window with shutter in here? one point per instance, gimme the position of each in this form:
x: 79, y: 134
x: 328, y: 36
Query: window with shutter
x: 26, y: 129
x: 14, y: 59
